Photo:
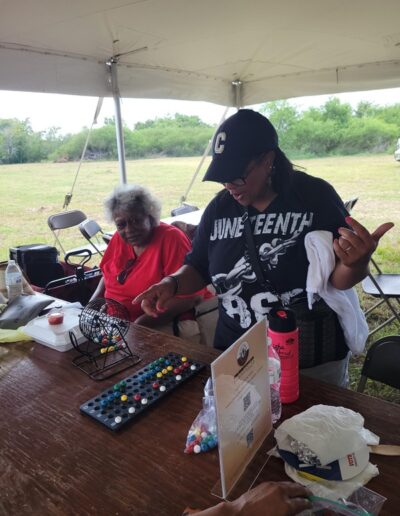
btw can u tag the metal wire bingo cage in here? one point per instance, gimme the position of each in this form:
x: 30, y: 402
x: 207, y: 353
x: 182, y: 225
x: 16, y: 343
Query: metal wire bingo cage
x: 105, y: 324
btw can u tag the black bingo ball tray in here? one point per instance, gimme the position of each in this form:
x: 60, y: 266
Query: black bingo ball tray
x: 127, y: 399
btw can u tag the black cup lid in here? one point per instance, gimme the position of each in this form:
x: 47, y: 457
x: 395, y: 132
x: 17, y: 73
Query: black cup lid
x: 282, y: 320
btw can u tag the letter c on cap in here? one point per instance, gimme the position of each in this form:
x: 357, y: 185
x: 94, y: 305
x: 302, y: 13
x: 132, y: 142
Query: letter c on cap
x: 219, y: 143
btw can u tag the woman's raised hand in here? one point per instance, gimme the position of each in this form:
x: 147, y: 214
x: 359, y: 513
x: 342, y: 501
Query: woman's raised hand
x: 356, y: 245
x: 154, y: 298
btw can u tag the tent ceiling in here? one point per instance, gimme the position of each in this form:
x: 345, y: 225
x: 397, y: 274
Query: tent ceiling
x: 194, y: 49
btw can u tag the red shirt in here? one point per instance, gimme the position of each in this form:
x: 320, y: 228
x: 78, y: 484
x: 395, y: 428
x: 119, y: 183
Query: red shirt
x: 163, y: 256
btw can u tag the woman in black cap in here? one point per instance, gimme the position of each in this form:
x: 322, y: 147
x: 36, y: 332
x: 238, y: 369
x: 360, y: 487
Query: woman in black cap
x: 282, y: 205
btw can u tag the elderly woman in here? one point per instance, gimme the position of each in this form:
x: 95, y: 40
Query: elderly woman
x: 142, y: 251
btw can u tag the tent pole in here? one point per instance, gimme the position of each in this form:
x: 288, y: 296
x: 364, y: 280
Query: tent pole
x: 237, y: 93
x: 112, y: 66
x: 205, y: 154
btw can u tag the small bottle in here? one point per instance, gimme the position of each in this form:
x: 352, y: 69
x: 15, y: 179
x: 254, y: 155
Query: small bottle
x: 285, y: 339
x: 274, y: 372
x: 13, y: 277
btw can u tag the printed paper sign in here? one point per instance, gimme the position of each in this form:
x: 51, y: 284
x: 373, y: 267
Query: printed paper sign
x: 242, y: 398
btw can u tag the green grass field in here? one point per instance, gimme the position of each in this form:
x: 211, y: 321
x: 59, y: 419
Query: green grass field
x: 32, y: 192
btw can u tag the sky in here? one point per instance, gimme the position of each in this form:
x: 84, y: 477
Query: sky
x: 71, y: 113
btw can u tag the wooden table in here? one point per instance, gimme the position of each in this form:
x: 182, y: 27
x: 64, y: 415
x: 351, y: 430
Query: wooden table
x: 56, y: 461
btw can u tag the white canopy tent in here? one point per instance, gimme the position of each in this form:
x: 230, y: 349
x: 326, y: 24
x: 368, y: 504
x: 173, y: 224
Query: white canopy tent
x: 231, y: 52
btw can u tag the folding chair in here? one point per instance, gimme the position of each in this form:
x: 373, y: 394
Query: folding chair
x: 183, y: 208
x: 207, y: 318
x: 382, y: 363
x: 65, y: 220
x: 387, y: 288
x: 93, y: 233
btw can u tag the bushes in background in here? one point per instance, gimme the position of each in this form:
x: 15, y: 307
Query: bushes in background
x: 331, y: 129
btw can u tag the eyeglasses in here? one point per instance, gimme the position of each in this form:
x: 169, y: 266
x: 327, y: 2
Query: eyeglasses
x: 121, y: 276
x: 242, y: 180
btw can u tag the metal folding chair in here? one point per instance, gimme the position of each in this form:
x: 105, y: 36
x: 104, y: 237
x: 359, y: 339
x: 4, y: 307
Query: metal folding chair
x: 93, y: 233
x: 382, y: 363
x: 183, y: 208
x: 386, y: 287
x: 70, y: 219
x: 65, y: 220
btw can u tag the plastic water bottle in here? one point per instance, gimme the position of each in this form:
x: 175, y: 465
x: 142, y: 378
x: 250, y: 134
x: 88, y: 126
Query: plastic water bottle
x: 284, y: 334
x: 274, y: 371
x: 13, y: 277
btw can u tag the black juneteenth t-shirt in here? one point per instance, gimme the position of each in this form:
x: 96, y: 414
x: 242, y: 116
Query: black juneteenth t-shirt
x: 220, y: 252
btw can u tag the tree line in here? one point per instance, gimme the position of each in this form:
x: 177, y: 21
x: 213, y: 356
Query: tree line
x: 334, y: 128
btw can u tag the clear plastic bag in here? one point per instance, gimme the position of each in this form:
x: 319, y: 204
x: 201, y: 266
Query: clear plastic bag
x: 202, y: 435
x: 368, y: 500
x: 325, y: 507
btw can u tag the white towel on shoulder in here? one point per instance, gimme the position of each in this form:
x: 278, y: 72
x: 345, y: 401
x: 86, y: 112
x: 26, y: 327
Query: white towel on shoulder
x: 319, y: 248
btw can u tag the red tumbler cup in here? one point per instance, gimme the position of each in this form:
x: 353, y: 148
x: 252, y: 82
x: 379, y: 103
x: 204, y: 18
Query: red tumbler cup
x: 284, y: 335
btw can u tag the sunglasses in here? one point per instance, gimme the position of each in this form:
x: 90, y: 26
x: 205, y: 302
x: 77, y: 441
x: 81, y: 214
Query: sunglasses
x: 121, y: 276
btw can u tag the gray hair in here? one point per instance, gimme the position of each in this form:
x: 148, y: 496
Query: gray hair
x: 132, y: 199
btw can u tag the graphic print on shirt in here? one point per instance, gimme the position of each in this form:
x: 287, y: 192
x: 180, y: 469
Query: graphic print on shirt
x: 229, y: 286
x: 270, y: 253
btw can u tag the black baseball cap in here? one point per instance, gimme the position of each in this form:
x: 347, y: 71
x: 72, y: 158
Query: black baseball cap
x: 241, y: 138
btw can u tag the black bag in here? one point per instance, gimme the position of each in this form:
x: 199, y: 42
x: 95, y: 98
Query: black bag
x: 321, y: 337
x: 21, y: 310
x: 39, y: 263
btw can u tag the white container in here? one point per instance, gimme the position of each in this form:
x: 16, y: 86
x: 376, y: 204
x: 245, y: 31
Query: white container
x: 56, y: 336
x: 13, y: 279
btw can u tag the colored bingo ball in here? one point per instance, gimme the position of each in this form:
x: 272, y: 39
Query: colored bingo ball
x: 200, y: 440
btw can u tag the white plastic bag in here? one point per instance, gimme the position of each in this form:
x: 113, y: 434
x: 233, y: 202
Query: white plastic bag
x: 325, y: 441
